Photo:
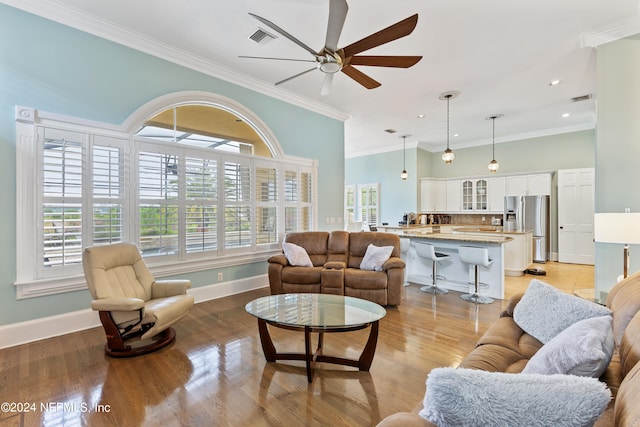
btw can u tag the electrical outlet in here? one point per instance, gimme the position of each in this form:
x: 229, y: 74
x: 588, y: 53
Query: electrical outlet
x: 220, y: 277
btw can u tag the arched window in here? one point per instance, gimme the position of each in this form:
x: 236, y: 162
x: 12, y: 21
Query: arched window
x: 196, y: 180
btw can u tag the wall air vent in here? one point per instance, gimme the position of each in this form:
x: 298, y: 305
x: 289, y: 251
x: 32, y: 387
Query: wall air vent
x: 582, y: 98
x: 260, y: 36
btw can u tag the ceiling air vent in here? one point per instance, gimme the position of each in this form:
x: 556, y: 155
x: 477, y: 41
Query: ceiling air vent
x: 260, y: 36
x: 582, y: 98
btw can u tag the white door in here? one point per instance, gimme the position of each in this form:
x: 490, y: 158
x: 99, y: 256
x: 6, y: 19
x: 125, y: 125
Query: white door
x: 575, y: 216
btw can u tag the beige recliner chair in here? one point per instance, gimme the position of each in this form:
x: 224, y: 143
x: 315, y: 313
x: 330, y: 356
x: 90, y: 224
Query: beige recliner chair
x: 136, y: 310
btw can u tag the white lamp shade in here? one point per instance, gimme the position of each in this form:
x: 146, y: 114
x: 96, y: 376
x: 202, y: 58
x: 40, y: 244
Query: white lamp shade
x: 617, y: 228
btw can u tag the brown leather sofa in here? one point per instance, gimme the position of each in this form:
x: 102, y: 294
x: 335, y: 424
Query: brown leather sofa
x: 336, y: 258
x: 507, y: 348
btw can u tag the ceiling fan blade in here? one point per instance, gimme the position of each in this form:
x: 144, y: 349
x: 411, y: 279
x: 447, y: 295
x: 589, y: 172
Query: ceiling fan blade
x: 337, y: 15
x: 326, y: 84
x: 277, y: 59
x: 297, y: 75
x: 393, y: 32
x: 360, y: 77
x: 385, y: 61
x: 284, y: 33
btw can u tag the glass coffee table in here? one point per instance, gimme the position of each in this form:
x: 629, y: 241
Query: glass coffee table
x: 319, y: 313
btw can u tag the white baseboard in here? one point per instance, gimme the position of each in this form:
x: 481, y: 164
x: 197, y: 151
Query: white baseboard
x: 61, y: 324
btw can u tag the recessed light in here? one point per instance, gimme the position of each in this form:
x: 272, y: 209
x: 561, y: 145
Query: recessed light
x: 554, y: 82
x: 455, y: 134
x: 421, y: 116
x: 565, y: 115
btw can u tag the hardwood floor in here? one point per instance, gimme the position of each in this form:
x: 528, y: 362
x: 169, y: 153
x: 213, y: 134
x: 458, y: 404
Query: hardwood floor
x: 216, y: 375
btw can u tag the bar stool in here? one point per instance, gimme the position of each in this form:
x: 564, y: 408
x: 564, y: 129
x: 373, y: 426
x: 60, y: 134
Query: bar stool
x: 428, y: 251
x: 405, y: 244
x: 477, y: 257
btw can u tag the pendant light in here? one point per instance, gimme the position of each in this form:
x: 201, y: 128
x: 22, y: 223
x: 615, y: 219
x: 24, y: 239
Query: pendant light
x: 448, y: 155
x: 493, y: 164
x: 404, y: 175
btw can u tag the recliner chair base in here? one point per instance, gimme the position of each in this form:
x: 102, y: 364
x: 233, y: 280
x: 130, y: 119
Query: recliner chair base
x: 130, y: 345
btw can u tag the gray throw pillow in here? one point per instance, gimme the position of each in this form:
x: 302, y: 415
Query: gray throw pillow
x: 584, y: 348
x: 544, y: 311
x: 296, y: 255
x: 470, y: 397
x: 375, y: 257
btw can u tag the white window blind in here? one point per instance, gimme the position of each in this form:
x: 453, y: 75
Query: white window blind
x: 158, y: 211
x: 108, y: 177
x: 237, y: 204
x: 201, y: 204
x: 266, y: 204
x: 62, y: 186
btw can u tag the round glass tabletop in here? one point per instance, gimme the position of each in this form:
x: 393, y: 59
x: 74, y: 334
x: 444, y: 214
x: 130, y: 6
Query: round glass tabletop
x: 315, y: 310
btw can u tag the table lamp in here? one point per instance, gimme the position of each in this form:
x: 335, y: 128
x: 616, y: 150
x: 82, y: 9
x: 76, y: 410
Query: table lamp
x: 618, y: 228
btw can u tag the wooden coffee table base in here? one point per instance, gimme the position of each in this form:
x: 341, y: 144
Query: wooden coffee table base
x: 363, y: 363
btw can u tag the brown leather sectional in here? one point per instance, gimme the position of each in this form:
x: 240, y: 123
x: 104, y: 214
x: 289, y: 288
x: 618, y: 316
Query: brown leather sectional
x: 336, y: 258
x: 507, y: 348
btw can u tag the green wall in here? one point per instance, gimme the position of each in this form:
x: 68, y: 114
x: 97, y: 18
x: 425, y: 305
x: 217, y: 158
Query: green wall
x: 550, y: 153
x: 60, y: 70
x: 618, y: 149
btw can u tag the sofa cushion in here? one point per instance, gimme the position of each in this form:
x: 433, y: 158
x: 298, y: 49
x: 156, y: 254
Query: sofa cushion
x: 470, y: 397
x: 375, y: 257
x: 584, y: 348
x: 545, y: 311
x: 302, y: 275
x: 363, y: 279
x: 296, y: 255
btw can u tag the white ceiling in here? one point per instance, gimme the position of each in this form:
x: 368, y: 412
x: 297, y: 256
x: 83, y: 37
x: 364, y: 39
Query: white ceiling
x: 500, y: 54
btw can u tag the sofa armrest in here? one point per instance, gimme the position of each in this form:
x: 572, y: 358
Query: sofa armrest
x: 117, y: 304
x: 508, y: 311
x: 335, y: 265
x: 393, y: 262
x: 279, y: 259
x: 169, y: 288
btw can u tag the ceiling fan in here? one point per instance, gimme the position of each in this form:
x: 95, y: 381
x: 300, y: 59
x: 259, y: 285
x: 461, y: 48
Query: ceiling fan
x: 330, y: 59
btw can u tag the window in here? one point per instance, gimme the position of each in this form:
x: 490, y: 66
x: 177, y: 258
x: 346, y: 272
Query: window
x: 362, y: 203
x: 188, y: 206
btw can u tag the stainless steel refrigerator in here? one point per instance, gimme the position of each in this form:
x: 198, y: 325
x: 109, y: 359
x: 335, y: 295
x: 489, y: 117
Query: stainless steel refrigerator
x: 529, y: 213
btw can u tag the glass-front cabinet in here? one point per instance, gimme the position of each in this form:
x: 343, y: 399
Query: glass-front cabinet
x: 467, y: 195
x: 481, y: 195
x: 474, y: 195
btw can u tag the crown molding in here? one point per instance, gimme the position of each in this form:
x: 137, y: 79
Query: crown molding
x: 616, y: 31
x: 63, y: 14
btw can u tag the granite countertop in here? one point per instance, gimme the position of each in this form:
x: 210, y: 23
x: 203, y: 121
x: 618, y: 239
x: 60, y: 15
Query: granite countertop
x: 457, y: 228
x: 461, y: 237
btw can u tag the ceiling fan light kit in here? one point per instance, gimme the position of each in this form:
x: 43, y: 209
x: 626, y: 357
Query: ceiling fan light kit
x: 331, y: 60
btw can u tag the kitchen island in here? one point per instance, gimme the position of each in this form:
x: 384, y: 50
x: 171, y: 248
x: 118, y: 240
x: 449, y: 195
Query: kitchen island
x: 457, y: 275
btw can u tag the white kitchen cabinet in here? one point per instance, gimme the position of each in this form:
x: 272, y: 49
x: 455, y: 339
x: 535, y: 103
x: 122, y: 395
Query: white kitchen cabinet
x: 529, y: 185
x: 433, y: 195
x: 516, y: 185
x: 518, y: 253
x: 496, y: 192
x: 454, y: 193
x: 539, y: 184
